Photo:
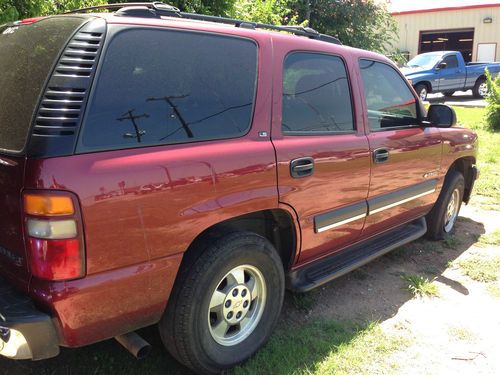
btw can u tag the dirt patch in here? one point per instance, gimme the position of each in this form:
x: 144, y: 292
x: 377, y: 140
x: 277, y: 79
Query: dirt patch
x: 456, y: 332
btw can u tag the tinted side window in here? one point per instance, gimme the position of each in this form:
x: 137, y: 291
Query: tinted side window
x: 161, y: 87
x: 389, y: 100
x: 316, y: 95
x: 451, y: 61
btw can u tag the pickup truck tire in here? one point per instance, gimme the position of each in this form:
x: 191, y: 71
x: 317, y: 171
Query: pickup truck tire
x: 225, y: 305
x: 421, y: 90
x: 480, y: 89
x: 448, y: 93
x: 441, y: 219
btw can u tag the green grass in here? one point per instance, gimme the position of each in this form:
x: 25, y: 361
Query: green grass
x: 420, y: 286
x: 461, y: 333
x: 327, y: 347
x: 481, y: 267
x: 452, y: 242
x: 488, y: 155
x: 494, y: 289
x: 304, y: 302
x: 492, y: 238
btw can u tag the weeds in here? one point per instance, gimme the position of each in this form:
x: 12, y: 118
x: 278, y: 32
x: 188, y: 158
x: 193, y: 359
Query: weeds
x: 420, y: 286
x: 481, y: 268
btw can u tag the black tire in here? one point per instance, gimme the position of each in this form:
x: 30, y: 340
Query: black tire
x: 185, y: 327
x: 422, y: 91
x: 437, y: 219
x: 476, y: 89
x: 448, y: 93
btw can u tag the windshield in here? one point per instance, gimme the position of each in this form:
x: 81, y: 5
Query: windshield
x: 426, y: 61
x: 27, y: 54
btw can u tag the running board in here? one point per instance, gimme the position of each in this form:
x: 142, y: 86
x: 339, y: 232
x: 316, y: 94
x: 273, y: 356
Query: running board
x: 326, y: 269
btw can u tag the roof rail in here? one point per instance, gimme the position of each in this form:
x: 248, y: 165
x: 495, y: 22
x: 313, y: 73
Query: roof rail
x: 158, y: 9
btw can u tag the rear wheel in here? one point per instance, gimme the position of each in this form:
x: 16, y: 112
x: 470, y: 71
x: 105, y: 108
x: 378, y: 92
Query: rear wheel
x: 480, y: 89
x: 225, y: 305
x: 441, y: 220
x: 421, y: 90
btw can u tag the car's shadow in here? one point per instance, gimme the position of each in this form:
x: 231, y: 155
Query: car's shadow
x: 374, y: 292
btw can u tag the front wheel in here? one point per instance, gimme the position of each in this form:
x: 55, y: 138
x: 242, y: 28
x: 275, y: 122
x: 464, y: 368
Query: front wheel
x: 225, y: 305
x: 480, y: 89
x: 441, y: 220
x: 421, y: 90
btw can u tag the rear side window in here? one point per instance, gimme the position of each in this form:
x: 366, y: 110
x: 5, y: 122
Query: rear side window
x: 451, y: 61
x: 389, y: 100
x: 27, y: 55
x: 162, y: 87
x: 316, y: 95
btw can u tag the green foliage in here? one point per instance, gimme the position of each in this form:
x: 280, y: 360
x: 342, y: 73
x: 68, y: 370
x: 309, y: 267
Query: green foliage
x: 276, y: 12
x: 357, y: 23
x: 493, y: 99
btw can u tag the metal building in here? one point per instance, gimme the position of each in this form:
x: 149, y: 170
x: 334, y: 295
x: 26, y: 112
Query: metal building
x: 469, y: 26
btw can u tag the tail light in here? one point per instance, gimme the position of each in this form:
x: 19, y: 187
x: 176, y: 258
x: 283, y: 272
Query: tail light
x: 54, y: 235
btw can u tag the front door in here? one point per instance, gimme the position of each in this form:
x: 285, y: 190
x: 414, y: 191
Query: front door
x: 323, y: 160
x: 405, y: 156
x: 452, y: 77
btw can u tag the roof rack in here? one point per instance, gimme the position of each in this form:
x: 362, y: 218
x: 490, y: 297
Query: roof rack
x: 158, y: 9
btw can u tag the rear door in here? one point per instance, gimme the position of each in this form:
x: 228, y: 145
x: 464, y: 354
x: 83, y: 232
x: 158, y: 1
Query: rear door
x: 28, y: 52
x: 323, y: 157
x: 405, y: 156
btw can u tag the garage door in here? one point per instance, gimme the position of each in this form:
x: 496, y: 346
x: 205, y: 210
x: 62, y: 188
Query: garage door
x: 448, y: 40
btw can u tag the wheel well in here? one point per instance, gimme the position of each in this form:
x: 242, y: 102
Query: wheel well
x: 426, y: 84
x: 481, y: 77
x: 464, y: 166
x: 276, y: 225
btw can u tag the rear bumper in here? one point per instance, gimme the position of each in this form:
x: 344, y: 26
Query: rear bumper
x: 25, y: 332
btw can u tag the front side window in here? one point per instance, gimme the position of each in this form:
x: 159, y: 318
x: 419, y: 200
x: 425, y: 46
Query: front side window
x: 162, y: 87
x: 316, y: 95
x: 389, y: 100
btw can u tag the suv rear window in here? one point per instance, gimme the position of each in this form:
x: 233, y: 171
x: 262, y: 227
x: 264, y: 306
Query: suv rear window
x: 163, y: 86
x: 28, y: 53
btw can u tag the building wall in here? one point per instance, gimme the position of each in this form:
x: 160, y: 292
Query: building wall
x: 411, y: 24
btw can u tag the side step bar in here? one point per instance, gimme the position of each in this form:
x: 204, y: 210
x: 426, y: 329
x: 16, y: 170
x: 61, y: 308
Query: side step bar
x: 338, y: 264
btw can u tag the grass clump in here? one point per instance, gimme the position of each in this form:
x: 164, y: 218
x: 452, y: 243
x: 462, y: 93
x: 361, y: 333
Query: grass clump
x: 494, y: 289
x: 461, y: 333
x: 452, y: 242
x: 327, y: 347
x: 420, y: 286
x: 492, y: 238
x: 481, y: 268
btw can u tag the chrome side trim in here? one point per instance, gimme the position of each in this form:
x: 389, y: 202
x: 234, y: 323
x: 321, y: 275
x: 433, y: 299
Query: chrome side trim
x: 322, y: 229
x: 401, y: 202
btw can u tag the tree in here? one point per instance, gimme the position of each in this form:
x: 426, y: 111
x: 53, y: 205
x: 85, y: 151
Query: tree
x: 276, y: 12
x: 357, y: 23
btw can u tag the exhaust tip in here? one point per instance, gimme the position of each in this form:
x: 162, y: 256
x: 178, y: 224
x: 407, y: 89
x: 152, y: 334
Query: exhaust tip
x: 135, y: 344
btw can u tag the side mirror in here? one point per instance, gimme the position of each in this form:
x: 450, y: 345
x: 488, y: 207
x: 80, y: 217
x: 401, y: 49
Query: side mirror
x: 441, y: 116
x: 441, y: 65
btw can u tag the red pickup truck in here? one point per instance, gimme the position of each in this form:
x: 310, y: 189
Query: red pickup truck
x: 160, y: 167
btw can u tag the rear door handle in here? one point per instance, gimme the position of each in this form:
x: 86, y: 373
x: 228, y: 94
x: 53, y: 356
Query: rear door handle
x: 302, y: 167
x: 380, y: 155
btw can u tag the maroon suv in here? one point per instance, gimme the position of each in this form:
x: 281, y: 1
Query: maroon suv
x: 159, y: 167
